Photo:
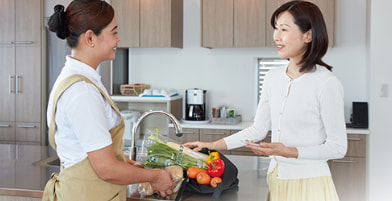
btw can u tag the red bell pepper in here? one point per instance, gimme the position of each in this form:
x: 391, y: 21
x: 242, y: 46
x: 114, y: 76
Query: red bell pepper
x: 216, y: 168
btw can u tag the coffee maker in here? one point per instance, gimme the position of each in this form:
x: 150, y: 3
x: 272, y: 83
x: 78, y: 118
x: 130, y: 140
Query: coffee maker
x: 195, y: 104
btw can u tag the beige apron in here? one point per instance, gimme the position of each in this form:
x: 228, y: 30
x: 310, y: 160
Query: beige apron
x: 80, y: 182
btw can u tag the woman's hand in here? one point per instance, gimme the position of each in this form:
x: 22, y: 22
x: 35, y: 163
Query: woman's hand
x: 163, y: 182
x: 277, y: 149
x: 197, y: 145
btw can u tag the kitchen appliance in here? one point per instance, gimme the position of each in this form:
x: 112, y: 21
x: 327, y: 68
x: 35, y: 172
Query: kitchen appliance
x: 195, y: 104
x: 360, y: 117
x: 130, y: 117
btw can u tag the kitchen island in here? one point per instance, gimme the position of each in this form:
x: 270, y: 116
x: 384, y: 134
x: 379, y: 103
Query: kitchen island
x: 22, y: 176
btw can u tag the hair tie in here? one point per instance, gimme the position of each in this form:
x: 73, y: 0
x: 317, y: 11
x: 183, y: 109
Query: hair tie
x: 59, y: 8
x: 62, y: 28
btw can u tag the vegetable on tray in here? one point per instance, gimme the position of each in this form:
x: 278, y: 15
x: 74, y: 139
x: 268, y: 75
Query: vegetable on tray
x: 213, y: 155
x: 214, y: 181
x: 216, y: 168
x: 193, y: 171
x: 161, y: 154
x: 203, y: 178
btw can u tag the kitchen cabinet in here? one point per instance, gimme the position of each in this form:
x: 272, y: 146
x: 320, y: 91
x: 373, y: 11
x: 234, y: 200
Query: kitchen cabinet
x: 20, y: 77
x: 149, y: 23
x: 232, y: 23
x: 204, y: 135
x: 326, y: 7
x: 211, y: 135
x: 188, y: 135
x: 245, y: 151
x: 349, y: 173
x: 127, y: 15
x: 237, y: 23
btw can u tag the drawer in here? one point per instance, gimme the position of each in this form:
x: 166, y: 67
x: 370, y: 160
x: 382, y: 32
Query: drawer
x: 188, y: 135
x: 210, y: 135
x: 28, y: 132
x: 356, y: 145
x: 245, y: 151
x: 7, y: 131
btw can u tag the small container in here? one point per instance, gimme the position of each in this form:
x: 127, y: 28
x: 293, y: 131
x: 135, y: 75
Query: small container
x: 215, y: 112
x: 230, y: 113
x: 223, y: 112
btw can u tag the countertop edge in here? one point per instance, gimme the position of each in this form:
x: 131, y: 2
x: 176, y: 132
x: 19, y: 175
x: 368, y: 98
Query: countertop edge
x: 246, y: 124
x: 21, y: 192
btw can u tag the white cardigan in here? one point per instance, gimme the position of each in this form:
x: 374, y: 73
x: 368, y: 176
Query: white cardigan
x: 306, y: 113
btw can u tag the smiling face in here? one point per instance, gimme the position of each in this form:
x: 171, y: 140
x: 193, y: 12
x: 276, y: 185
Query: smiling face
x: 106, y: 42
x: 290, y: 41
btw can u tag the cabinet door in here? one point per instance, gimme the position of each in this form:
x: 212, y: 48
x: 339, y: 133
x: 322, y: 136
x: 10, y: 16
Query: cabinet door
x: 127, y: 15
x: 249, y: 23
x: 7, y: 22
x: 7, y: 83
x: 188, y: 135
x: 28, y: 84
x: 217, y: 23
x: 349, y: 175
x: 326, y: 7
x: 161, y: 23
x: 356, y: 145
x: 210, y: 135
x: 7, y: 132
x: 28, y: 22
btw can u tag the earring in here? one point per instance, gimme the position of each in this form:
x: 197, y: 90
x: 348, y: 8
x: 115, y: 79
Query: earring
x: 92, y: 45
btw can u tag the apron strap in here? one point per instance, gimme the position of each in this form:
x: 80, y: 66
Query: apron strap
x: 65, y: 84
x: 50, y: 188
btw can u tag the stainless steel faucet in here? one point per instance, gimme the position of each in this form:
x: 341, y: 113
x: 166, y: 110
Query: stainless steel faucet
x: 170, y: 116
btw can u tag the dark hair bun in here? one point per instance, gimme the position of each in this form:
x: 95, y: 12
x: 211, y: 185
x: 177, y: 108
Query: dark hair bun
x: 58, y: 22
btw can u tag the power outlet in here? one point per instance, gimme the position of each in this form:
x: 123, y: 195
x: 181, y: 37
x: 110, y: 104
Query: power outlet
x: 384, y: 90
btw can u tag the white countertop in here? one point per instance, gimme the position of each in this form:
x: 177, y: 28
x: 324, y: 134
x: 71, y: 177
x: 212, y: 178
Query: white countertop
x: 246, y: 124
x: 120, y: 98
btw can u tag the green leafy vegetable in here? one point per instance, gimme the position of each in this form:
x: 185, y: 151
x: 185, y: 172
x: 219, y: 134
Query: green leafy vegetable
x: 161, y: 155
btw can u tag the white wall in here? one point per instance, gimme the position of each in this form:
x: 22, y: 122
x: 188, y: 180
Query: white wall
x: 229, y: 74
x: 380, y: 158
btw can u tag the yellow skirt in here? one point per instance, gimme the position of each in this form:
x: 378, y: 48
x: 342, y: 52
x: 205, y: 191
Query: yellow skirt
x: 309, y: 189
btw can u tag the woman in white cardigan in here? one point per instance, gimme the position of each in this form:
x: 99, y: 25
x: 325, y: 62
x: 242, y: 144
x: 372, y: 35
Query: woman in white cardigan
x: 302, y: 105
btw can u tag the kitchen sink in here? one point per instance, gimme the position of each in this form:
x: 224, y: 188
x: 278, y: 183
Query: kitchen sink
x: 53, y: 161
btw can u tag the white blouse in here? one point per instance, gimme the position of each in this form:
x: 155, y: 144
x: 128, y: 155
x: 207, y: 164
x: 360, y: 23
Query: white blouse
x: 83, y: 116
x: 306, y: 113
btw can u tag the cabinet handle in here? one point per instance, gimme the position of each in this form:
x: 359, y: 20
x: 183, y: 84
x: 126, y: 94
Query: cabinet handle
x: 17, y: 84
x: 26, y: 126
x: 10, y: 152
x: 5, y: 125
x: 214, y: 133
x: 6, y: 43
x: 354, y: 139
x: 343, y: 161
x: 10, y: 85
x: 24, y: 42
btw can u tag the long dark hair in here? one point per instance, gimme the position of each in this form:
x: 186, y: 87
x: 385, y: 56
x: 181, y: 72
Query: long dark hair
x: 308, y: 17
x: 80, y: 16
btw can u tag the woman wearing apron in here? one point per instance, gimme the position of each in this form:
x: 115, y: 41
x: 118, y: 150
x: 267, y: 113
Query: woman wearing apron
x: 302, y: 105
x: 85, y: 125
